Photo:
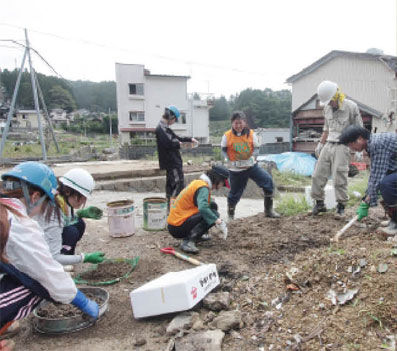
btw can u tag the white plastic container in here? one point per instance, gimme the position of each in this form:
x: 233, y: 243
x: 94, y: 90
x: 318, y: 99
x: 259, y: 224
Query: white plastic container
x: 174, y: 291
x: 330, y: 201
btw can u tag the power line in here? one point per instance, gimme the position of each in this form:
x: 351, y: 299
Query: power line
x: 169, y: 58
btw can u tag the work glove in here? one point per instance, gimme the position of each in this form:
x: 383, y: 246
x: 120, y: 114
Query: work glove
x: 318, y: 149
x: 362, y: 210
x: 223, y: 228
x: 358, y: 156
x: 86, y: 305
x: 93, y: 257
x: 90, y: 212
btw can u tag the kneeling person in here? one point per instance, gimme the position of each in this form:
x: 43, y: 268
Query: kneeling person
x: 193, y: 213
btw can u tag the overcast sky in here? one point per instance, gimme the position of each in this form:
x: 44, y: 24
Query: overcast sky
x: 225, y: 46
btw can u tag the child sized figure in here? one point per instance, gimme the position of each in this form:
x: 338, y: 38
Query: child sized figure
x: 28, y: 272
x: 75, y: 186
x: 62, y: 232
x: 193, y: 213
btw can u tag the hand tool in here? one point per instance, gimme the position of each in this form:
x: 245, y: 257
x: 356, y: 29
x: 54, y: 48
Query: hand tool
x: 346, y: 227
x: 171, y: 251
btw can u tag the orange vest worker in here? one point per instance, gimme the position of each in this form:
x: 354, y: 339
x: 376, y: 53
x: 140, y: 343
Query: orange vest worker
x: 184, y: 206
x: 239, y: 147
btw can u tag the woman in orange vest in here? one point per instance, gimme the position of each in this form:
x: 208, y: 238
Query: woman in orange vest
x: 239, y: 147
x: 193, y: 212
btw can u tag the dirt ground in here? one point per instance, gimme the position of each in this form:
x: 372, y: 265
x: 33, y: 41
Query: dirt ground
x: 279, y: 273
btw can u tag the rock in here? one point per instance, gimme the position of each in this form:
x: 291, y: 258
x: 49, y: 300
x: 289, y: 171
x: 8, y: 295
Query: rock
x: 228, y: 320
x: 139, y: 341
x: 217, y: 301
x: 210, y: 340
x: 182, y: 321
x: 189, y: 162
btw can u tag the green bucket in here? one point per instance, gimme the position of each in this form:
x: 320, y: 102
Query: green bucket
x: 154, y: 213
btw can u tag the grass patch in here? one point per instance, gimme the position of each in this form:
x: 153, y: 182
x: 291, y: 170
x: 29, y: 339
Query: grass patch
x: 292, y: 204
x: 357, y: 187
x: 290, y: 178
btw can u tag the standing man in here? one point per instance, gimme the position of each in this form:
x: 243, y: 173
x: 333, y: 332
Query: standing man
x: 382, y: 150
x: 168, y: 145
x: 240, y: 148
x: 333, y: 158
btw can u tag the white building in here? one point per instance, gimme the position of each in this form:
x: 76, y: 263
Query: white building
x: 142, y: 97
x: 273, y: 135
x: 370, y: 78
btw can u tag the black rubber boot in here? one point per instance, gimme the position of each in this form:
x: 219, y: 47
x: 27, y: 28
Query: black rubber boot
x: 189, y: 246
x: 269, y: 212
x: 319, y: 207
x: 340, y: 209
x: 230, y: 211
x: 189, y: 243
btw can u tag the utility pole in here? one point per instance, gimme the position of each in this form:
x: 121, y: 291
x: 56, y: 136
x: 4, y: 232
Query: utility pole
x: 110, y: 128
x: 35, y: 98
x: 35, y: 88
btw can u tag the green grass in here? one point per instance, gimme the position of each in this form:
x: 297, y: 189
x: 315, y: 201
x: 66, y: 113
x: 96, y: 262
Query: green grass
x: 357, y: 185
x: 290, y: 178
x: 292, y: 204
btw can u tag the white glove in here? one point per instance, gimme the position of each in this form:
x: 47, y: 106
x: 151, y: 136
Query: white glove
x: 318, y: 149
x: 359, y: 156
x: 223, y: 228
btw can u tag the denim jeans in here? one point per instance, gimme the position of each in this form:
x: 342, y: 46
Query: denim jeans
x: 388, y: 189
x: 239, y: 180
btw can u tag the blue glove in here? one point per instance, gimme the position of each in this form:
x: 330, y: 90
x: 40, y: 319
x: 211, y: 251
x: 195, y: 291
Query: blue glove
x: 86, y: 305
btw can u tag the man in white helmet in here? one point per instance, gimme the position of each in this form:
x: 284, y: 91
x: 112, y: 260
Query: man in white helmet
x: 333, y: 157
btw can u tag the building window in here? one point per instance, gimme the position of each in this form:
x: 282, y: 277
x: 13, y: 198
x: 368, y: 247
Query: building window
x: 279, y: 139
x: 137, y: 116
x: 182, y: 118
x: 24, y: 117
x: 135, y: 89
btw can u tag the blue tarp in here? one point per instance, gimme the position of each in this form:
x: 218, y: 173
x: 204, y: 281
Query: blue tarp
x: 297, y: 162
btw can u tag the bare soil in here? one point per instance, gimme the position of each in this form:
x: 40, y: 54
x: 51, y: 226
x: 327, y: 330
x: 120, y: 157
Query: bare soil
x: 279, y: 273
x: 106, y: 271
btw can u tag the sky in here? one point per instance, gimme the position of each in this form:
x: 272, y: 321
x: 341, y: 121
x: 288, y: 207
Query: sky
x: 224, y: 46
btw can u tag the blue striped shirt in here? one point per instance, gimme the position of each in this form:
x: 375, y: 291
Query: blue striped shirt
x: 382, y: 150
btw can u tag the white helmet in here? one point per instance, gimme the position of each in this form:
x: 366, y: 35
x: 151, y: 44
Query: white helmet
x: 80, y: 180
x: 326, y: 91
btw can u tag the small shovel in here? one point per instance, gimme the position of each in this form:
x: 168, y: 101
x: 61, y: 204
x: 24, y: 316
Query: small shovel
x: 171, y: 251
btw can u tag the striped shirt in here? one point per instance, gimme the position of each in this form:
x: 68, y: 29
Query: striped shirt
x: 382, y: 150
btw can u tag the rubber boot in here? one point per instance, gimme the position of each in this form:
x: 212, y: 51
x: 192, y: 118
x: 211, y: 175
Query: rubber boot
x: 269, y: 212
x: 391, y: 229
x: 189, y: 243
x: 319, y: 207
x: 189, y: 246
x: 340, y: 210
x: 230, y: 211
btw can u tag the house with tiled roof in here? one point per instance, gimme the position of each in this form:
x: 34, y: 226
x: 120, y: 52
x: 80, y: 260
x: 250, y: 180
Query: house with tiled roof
x: 370, y: 79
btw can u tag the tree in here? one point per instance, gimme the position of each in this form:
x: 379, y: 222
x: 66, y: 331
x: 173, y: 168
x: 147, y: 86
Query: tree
x: 221, y: 110
x: 61, y: 98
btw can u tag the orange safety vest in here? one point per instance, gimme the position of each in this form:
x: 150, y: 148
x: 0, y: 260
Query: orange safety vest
x: 183, y: 206
x: 239, y: 147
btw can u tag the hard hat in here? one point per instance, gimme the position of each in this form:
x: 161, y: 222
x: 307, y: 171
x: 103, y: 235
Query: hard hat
x: 221, y: 172
x: 326, y: 91
x: 80, y: 180
x: 174, y: 111
x: 37, y: 174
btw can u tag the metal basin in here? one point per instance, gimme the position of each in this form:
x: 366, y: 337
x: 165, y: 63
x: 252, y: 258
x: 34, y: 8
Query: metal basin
x: 70, y: 324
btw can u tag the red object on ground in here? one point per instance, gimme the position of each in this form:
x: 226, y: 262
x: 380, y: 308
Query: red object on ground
x: 361, y: 166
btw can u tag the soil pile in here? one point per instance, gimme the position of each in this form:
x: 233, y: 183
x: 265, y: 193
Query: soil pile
x: 295, y: 290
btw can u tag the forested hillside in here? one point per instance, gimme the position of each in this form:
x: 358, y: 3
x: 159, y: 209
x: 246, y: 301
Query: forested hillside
x: 266, y: 107
x: 61, y: 93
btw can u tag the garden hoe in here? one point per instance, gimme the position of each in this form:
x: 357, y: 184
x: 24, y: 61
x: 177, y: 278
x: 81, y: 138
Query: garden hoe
x: 346, y: 227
